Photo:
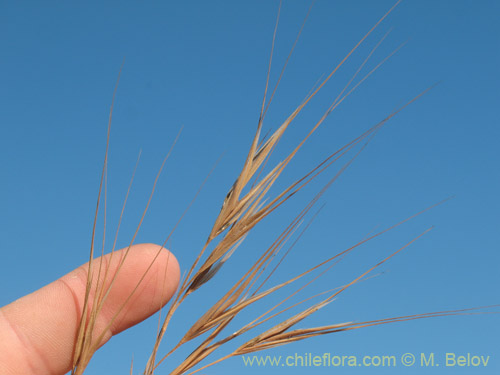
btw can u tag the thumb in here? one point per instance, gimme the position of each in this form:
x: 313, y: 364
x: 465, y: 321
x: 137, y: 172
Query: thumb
x: 38, y: 331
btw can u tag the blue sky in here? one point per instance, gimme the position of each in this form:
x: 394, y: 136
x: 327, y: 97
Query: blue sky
x: 202, y: 65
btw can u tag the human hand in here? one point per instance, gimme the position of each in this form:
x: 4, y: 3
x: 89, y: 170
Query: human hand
x: 38, y: 331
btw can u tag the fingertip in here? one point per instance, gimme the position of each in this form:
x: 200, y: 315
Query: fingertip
x: 147, y: 280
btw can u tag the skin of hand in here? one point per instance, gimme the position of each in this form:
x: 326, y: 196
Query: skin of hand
x: 38, y: 331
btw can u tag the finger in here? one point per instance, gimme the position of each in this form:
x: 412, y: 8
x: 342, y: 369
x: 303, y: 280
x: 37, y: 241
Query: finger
x: 38, y: 331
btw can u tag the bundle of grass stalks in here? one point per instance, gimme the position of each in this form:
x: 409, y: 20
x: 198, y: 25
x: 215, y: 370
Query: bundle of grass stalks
x: 248, y: 203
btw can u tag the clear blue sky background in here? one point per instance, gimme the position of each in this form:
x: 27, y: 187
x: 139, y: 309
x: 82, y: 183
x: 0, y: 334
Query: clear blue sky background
x: 202, y: 64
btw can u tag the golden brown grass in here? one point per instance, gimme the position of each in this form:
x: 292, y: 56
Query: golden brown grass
x: 246, y: 204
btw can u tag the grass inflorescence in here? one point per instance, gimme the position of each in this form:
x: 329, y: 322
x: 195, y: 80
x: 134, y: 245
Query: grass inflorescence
x: 248, y: 202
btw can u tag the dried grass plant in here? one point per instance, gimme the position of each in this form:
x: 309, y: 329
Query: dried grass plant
x: 247, y: 203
